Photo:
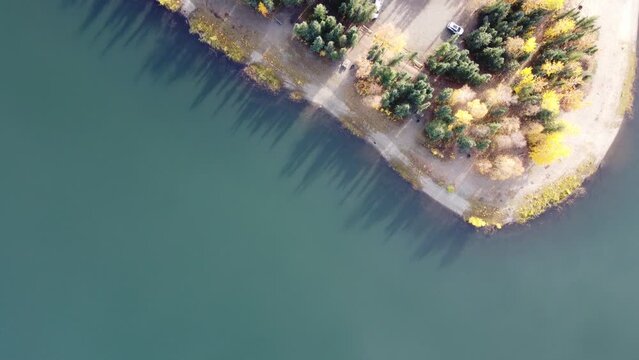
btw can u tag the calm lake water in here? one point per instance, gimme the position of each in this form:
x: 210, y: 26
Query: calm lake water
x: 155, y: 205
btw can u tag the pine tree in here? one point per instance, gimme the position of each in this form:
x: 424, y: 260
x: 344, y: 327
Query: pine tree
x: 402, y: 110
x: 465, y: 143
x: 320, y: 12
x: 318, y: 44
x: 358, y: 11
x: 301, y: 30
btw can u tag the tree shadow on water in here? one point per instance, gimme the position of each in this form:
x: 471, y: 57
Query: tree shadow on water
x: 175, y: 54
x: 265, y: 115
x: 380, y: 197
x: 120, y: 21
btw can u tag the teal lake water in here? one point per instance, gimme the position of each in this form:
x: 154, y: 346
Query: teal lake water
x: 155, y: 205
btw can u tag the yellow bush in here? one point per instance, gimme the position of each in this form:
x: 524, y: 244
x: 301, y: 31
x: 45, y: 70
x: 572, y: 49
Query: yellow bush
x: 530, y: 45
x: 552, y: 67
x: 550, y: 101
x: 547, y: 148
x: 562, y: 26
x: 261, y: 8
x: 463, y: 117
x: 526, y: 78
x: 477, y: 221
x: 173, y: 5
x: 550, y: 5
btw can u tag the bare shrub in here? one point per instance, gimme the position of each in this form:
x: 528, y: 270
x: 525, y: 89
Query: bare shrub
x: 480, y: 130
x: 506, y: 167
x: 500, y: 95
x: 363, y: 68
x: 462, y: 95
x: 483, y: 166
x: 532, y: 128
x: 509, y: 125
x: 518, y: 139
x: 514, y: 46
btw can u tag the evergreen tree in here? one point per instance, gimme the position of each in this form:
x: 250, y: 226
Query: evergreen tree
x: 352, y: 36
x: 436, y: 130
x: 292, y: 2
x: 375, y: 54
x: 444, y: 96
x: 402, y: 110
x: 315, y: 30
x: 444, y: 114
x: 318, y: 44
x: 358, y: 11
x: 330, y: 47
x: 301, y: 30
x: 492, y: 58
x: 479, y: 38
x: 465, y: 143
x: 320, y: 12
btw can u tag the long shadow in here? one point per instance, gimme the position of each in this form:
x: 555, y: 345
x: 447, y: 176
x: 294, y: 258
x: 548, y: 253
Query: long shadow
x: 176, y: 54
x: 380, y: 196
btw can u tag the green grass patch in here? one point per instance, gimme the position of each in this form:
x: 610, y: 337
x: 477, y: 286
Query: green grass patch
x: 264, y: 75
x: 212, y: 32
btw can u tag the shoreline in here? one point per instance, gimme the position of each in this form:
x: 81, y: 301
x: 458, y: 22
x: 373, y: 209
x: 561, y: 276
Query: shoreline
x: 499, y: 203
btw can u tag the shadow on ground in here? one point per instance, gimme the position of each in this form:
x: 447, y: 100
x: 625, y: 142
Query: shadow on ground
x: 377, y: 194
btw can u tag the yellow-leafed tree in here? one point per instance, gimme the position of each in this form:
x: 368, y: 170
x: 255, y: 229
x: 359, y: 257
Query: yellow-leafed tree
x: 262, y: 9
x: 477, y: 109
x: 562, y: 26
x: 530, y: 45
x: 546, y: 148
x: 477, y: 221
x: 552, y: 67
x: 550, y: 101
x: 551, y: 5
x: 463, y: 117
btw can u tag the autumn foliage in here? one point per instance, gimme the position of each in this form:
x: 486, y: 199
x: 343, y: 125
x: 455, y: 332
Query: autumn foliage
x: 546, y: 148
x: 173, y: 5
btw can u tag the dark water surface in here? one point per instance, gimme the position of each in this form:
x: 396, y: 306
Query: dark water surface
x: 156, y: 206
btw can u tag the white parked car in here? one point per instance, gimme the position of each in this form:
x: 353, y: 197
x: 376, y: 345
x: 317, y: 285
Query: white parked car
x: 378, y: 8
x: 454, y: 28
x: 345, y: 65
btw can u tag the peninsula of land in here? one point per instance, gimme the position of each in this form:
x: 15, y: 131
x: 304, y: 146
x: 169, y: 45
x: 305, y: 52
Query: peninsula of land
x: 498, y: 123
